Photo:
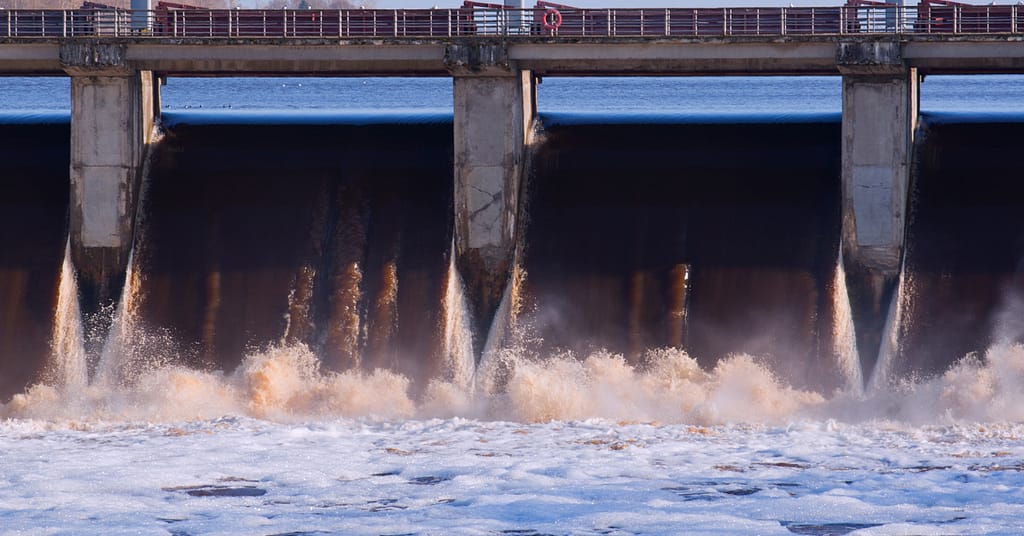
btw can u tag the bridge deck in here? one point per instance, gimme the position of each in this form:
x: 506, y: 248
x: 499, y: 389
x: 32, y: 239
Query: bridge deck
x: 705, y: 41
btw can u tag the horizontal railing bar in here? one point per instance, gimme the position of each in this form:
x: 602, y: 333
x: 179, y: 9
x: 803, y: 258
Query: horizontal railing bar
x: 924, y: 18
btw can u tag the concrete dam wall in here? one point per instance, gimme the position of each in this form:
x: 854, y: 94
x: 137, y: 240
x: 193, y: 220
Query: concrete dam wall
x: 715, y: 237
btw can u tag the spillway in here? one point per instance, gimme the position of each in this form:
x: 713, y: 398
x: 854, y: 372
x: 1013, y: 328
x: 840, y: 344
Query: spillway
x: 33, y: 225
x: 963, y: 279
x: 334, y: 236
x: 717, y: 236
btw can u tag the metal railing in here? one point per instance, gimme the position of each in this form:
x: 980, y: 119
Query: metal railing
x: 925, y: 18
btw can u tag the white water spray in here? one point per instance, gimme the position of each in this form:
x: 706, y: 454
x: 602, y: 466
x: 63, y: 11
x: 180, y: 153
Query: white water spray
x: 844, y: 335
x: 492, y: 359
x: 68, y: 368
x: 459, y: 362
x: 116, y: 360
x: 882, y: 378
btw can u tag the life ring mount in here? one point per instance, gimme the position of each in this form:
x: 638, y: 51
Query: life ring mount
x: 552, y: 19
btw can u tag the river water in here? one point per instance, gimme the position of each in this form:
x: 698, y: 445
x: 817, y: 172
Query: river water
x: 598, y: 434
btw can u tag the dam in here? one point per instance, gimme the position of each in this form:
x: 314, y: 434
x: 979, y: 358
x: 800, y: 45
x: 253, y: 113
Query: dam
x: 530, y: 219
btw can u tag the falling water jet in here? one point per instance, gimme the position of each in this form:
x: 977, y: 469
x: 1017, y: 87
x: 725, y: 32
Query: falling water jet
x: 459, y: 363
x: 298, y: 326
x: 67, y: 368
x: 881, y: 378
x: 300, y: 318
x: 844, y: 336
x: 117, y: 356
x: 680, y: 277
x: 382, y: 321
x: 340, y: 309
x: 870, y: 291
x: 492, y: 372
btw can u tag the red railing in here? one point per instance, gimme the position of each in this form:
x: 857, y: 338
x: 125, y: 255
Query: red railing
x: 487, y: 20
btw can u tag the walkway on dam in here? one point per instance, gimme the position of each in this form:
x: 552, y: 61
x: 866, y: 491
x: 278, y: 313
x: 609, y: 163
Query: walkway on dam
x: 546, y: 20
x: 933, y: 37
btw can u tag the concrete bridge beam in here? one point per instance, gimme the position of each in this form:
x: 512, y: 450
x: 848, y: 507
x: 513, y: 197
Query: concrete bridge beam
x: 494, y: 110
x: 113, y: 109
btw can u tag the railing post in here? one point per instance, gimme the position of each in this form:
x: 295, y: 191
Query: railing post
x: 956, y: 19
x: 395, y: 16
x: 783, y: 16
x: 1013, y: 19
x: 695, y: 27
x: 726, y: 22
x: 668, y: 22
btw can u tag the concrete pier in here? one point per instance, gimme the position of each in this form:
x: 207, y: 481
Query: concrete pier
x: 495, y: 105
x: 880, y: 111
x: 113, y: 108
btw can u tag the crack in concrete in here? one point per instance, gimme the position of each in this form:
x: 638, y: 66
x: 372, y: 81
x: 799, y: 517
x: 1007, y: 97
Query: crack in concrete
x: 495, y: 198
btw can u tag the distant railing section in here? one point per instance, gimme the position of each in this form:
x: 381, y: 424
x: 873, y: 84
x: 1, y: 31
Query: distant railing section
x: 928, y: 17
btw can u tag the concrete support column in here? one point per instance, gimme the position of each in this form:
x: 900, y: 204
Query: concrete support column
x: 880, y: 112
x: 113, y: 108
x: 494, y: 111
x: 879, y: 118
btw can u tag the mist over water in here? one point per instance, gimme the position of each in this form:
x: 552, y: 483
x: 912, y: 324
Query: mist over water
x: 673, y: 268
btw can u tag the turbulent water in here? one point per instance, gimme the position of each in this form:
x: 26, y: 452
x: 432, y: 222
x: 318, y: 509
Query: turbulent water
x: 675, y: 352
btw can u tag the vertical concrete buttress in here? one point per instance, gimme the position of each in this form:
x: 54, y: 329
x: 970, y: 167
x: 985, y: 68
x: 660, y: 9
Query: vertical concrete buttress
x: 880, y: 113
x: 113, y: 108
x: 494, y: 111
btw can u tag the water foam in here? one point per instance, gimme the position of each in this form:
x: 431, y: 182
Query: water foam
x: 287, y: 383
x: 140, y: 378
x: 282, y: 383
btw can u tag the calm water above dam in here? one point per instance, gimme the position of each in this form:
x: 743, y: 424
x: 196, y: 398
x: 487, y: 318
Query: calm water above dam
x: 711, y: 95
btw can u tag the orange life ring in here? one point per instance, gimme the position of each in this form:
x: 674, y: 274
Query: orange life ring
x: 552, y: 19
